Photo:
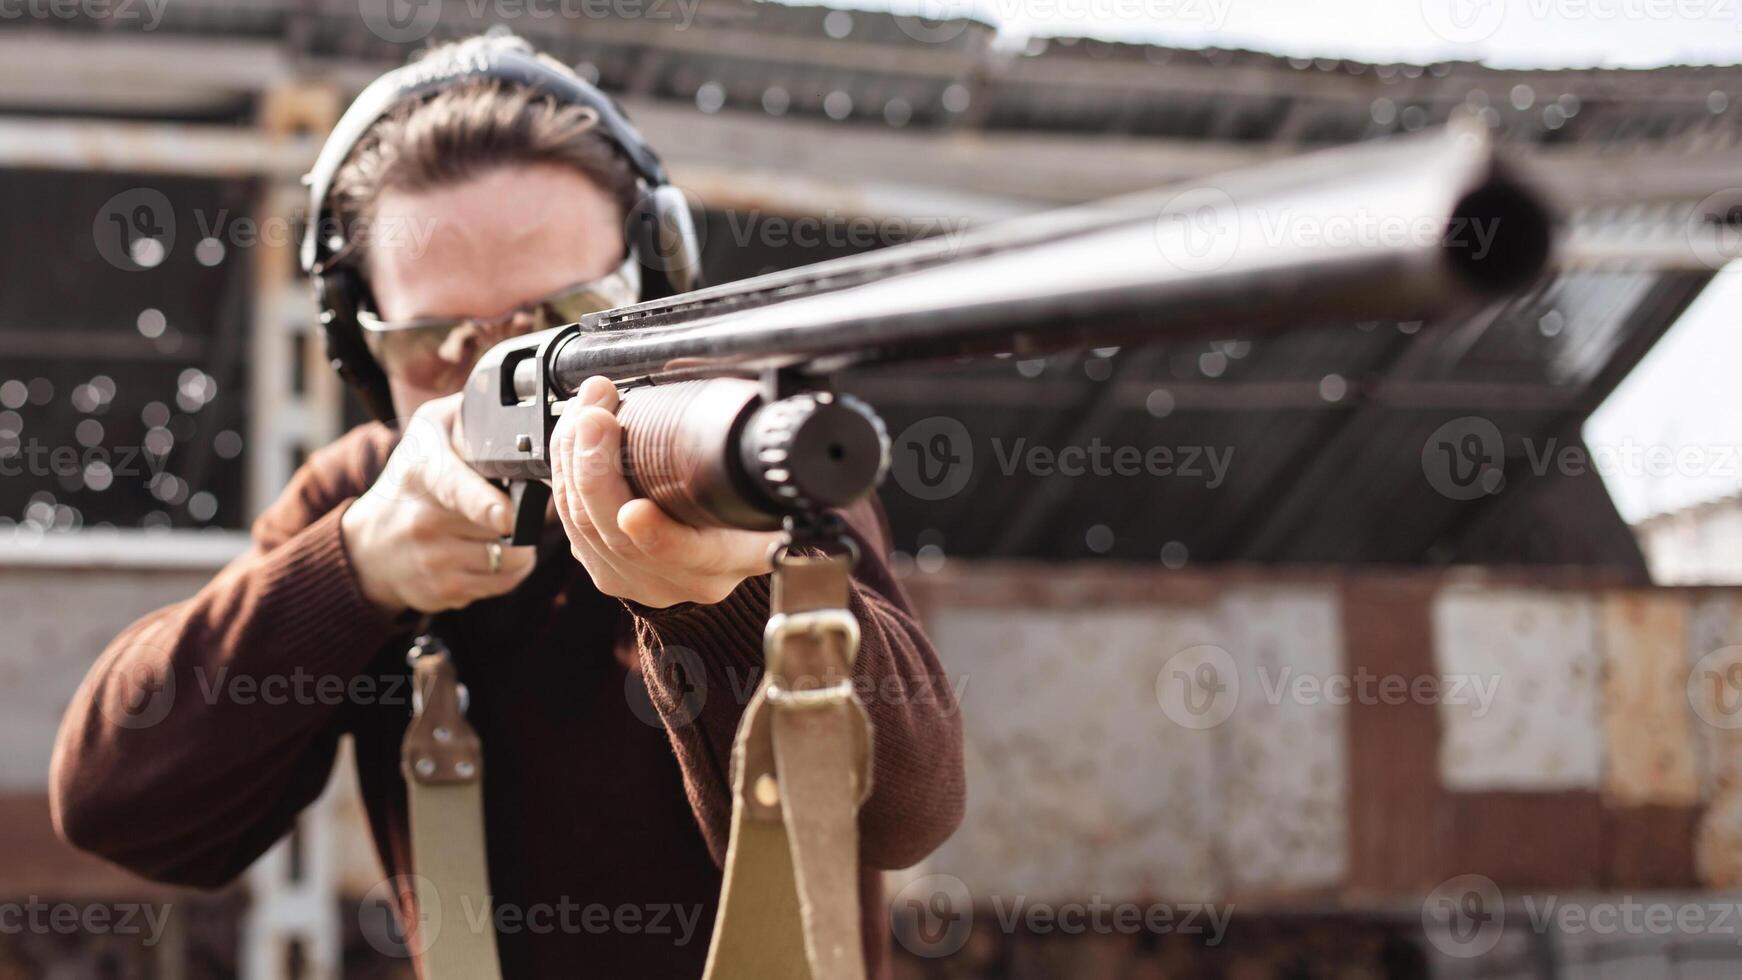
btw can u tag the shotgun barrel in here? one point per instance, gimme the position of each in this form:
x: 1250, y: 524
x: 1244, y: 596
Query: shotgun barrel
x: 727, y: 415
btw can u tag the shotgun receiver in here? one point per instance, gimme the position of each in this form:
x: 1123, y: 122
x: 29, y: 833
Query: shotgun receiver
x: 728, y: 415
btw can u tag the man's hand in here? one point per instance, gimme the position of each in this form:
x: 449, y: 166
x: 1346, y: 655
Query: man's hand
x: 632, y: 549
x: 422, y: 537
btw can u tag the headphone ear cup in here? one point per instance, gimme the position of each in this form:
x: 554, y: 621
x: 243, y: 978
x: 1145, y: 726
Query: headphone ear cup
x: 666, y: 243
x: 340, y: 293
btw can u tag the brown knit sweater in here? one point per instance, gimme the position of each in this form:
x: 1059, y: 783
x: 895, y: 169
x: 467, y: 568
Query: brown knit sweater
x: 206, y: 726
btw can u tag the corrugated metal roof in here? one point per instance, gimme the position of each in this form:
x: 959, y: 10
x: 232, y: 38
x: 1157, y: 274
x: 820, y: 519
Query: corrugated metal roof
x: 885, y: 69
x: 1328, y: 437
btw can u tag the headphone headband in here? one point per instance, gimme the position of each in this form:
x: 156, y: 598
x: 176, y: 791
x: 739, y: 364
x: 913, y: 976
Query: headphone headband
x: 660, y: 232
x: 503, y: 58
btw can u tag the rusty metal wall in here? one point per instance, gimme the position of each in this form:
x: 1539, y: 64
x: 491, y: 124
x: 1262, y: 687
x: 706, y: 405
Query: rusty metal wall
x: 1142, y: 735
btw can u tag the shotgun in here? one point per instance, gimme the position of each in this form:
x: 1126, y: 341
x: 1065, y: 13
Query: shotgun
x: 729, y: 415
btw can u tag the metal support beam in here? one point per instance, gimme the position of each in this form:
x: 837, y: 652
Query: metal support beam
x: 151, y: 148
x: 131, y: 73
x: 284, y: 422
x: 727, y: 160
x: 1020, y: 166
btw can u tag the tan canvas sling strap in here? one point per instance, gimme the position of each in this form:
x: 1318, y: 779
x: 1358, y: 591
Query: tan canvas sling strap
x: 801, y: 766
x: 443, y: 764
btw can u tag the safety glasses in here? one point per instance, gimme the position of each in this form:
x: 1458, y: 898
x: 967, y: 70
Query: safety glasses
x: 438, y: 352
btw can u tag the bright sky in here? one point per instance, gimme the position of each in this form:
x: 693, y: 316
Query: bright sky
x: 1683, y: 404
x: 1524, y: 33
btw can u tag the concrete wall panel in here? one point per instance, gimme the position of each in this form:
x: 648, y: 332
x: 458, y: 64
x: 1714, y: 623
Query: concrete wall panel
x: 1538, y: 651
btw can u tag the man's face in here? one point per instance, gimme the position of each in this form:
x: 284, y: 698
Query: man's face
x: 485, y: 248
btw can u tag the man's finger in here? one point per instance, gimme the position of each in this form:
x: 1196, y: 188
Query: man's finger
x: 598, y: 390
x: 517, y: 563
x: 473, y: 557
x: 438, y: 469
x: 461, y: 490
x: 564, y: 474
x: 698, y: 551
x: 566, y: 461
x: 598, y: 473
x: 654, y: 532
x: 583, y: 538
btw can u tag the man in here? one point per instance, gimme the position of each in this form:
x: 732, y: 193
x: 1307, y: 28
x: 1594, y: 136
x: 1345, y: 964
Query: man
x: 173, y: 762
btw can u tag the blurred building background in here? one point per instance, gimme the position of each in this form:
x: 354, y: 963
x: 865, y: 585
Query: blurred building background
x: 1698, y: 544
x: 1369, y: 500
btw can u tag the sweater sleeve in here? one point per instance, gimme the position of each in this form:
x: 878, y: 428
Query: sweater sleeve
x: 206, y: 726
x: 918, y: 789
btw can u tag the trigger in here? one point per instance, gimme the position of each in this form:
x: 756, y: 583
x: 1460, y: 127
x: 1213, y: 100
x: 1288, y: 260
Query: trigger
x: 529, y: 499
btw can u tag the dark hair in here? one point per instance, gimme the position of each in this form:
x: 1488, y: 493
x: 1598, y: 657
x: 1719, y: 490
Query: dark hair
x: 465, y: 132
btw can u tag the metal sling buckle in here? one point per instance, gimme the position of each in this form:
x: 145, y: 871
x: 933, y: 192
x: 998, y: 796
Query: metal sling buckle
x: 813, y: 623
x: 426, y: 645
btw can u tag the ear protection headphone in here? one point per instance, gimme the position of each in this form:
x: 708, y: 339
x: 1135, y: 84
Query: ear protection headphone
x: 660, y: 232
